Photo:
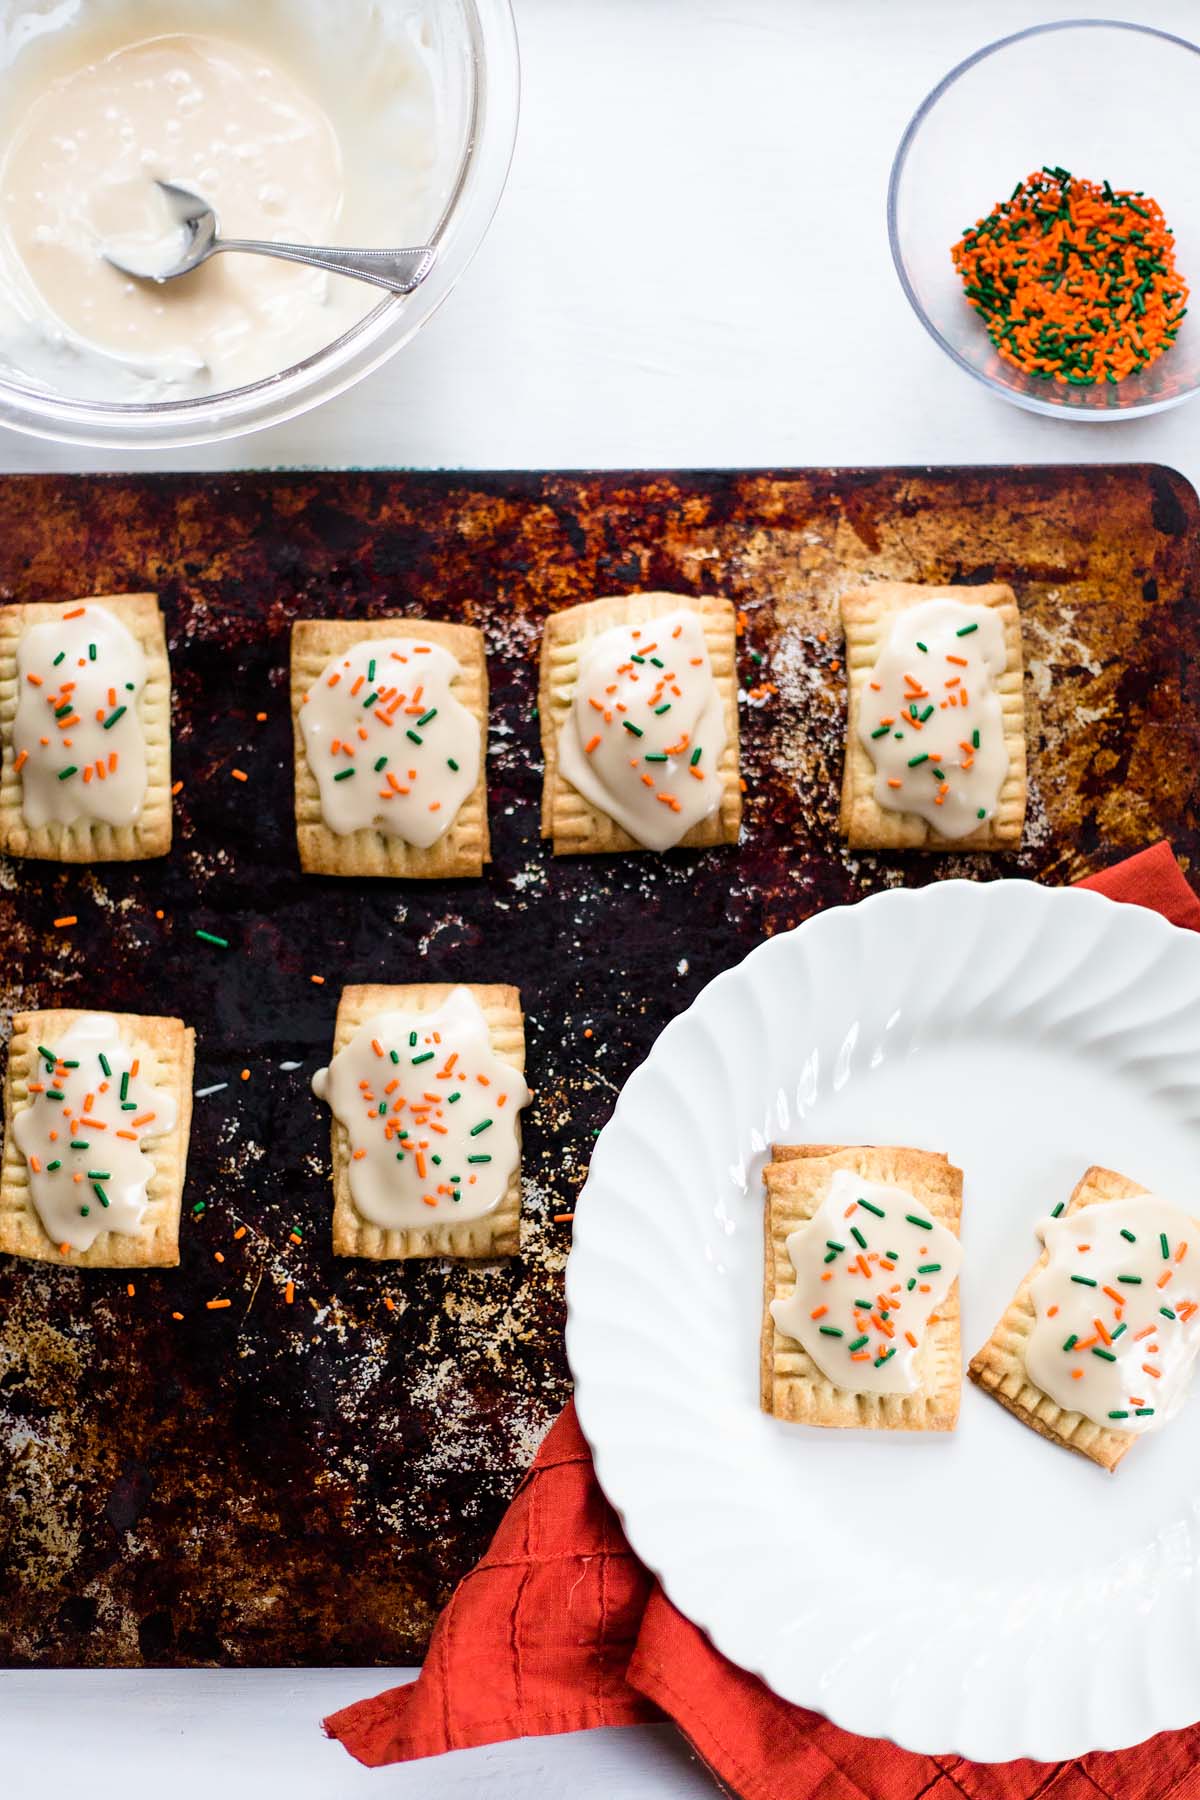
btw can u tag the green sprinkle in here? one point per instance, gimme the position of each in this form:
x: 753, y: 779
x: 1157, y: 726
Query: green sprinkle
x: 91, y: 652
x: 426, y: 718
x: 915, y: 761
x: 1071, y: 1341
x: 395, y: 1055
x: 1058, y: 1209
x: 479, y: 1159
x: 928, y: 1268
x: 370, y: 700
x: 912, y: 1282
x: 80, y: 1144
x: 129, y: 1105
x: 425, y: 1056
x: 659, y: 664
x: 414, y: 737
x: 56, y: 1164
x: 482, y: 1126
x: 938, y: 774
x: 435, y: 1159
x: 200, y: 1206
x: 921, y: 646
x: 55, y: 1094
x: 60, y: 712
x: 634, y: 657
x: 84, y: 1211
x: 1116, y: 1334
x: 830, y: 1245
x: 118, y: 712
x: 1166, y: 1248
x: 59, y: 658
x: 399, y: 1156
x: 104, y: 1063
x: 880, y: 1360
x: 857, y: 1344
x: 1128, y: 1235
x: 451, y: 764
x: 975, y: 739
x: 343, y: 774
x: 371, y: 670
x: 63, y: 773
x: 881, y: 732
x: 210, y: 937
x: 635, y: 730
x: 381, y: 764
x: 877, y: 1210
x: 921, y: 1224
x: 48, y: 1054
x: 99, y: 1175
x: 382, y: 1108
x: 1106, y: 1355
x: 966, y: 630
x: 858, y: 1237
x: 125, y: 1085
x: 1141, y: 1411
x: 100, y: 1194
x: 412, y: 1040
x: 451, y: 1098
x: 1166, y: 1312
x: 1133, y: 1280
x: 665, y: 707
x: 1083, y: 1280
x: 695, y: 756
x: 655, y: 756
x: 982, y: 813
x: 831, y: 1331
x: 1118, y: 1415
x: 830, y: 1255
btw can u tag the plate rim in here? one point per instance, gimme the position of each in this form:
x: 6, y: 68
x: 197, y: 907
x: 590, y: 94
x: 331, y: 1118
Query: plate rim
x: 1154, y: 925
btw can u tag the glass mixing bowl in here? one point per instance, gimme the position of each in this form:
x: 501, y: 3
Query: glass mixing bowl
x: 1106, y: 100
x: 473, y: 60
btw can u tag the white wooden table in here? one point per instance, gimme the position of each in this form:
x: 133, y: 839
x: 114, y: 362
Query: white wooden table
x: 655, y: 134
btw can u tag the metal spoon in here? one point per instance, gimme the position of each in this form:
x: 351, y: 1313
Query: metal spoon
x: 400, y: 271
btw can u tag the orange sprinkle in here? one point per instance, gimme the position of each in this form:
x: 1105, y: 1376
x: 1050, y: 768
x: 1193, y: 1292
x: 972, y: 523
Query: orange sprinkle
x: 21, y: 760
x: 1102, y: 1328
x: 176, y: 787
x: 129, y: 1289
x: 67, y: 919
x: 563, y: 1218
x: 1050, y: 1311
x: 289, y: 1293
x: 1146, y: 1331
x: 216, y: 1305
x: 142, y: 1118
x: 218, y: 1256
x: 389, y: 1303
x: 960, y: 661
x: 909, y: 1338
x: 1181, y: 1253
x: 1163, y: 1279
x: 260, y: 717
x: 1076, y: 1374
x: 239, y: 774
x: 239, y: 1233
x: 245, y: 1074
x: 818, y: 1312
x: 176, y: 1315
x: 591, y: 744
x: 35, y: 1164
x: 894, y: 783
x: 76, y: 613
x: 34, y: 680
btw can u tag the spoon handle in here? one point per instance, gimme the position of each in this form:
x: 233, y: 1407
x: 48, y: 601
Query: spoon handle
x: 400, y: 271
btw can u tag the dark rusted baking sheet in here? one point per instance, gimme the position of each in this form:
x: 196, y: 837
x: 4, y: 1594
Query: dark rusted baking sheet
x: 289, y: 1484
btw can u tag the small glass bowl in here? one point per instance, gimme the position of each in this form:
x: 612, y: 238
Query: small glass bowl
x: 476, y: 70
x: 1105, y: 99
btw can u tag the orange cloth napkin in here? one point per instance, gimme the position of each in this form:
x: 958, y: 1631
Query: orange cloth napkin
x: 560, y: 1628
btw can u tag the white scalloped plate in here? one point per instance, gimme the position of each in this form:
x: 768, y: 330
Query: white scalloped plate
x: 983, y: 1591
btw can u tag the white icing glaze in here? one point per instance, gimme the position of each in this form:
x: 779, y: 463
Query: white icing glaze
x: 403, y: 761
x: 71, y: 1185
x: 1129, y: 1361
x: 931, y: 718
x: 78, y: 742
x: 431, y: 1114
x: 646, y: 730
x: 872, y: 1348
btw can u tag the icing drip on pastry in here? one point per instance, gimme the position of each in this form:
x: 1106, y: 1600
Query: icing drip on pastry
x: 90, y: 1113
x: 871, y: 1268
x: 931, y: 718
x: 78, y: 743
x: 1118, y: 1312
x: 388, y: 744
x: 431, y: 1114
x: 646, y: 730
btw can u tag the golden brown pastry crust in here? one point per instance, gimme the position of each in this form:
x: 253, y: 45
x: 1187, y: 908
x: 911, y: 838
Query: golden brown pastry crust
x: 86, y: 841
x: 466, y: 847
x: 867, y: 616
x: 167, y: 1051
x: 999, y: 1368
x: 497, y: 1233
x: 791, y: 1386
x: 576, y: 827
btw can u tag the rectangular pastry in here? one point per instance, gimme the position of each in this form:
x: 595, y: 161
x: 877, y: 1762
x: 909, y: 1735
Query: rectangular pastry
x: 637, y: 701
x: 390, y: 731
x: 85, y: 719
x: 425, y: 1086
x: 97, y: 1114
x: 935, y: 732
x: 860, y: 1319
x: 1098, y: 1341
